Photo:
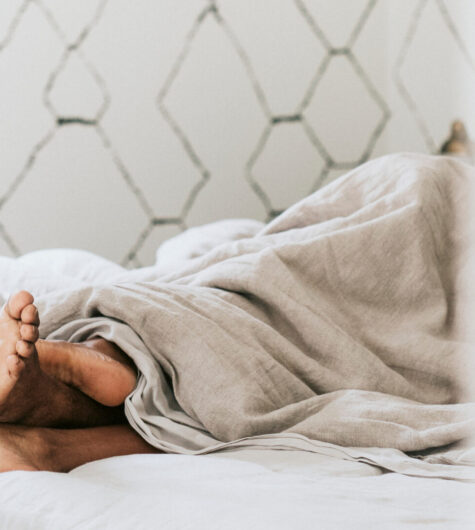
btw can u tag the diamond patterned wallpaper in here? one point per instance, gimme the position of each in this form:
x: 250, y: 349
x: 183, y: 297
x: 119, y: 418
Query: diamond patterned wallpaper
x: 124, y: 123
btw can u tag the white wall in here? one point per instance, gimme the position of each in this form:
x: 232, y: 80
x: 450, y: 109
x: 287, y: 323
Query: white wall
x: 123, y: 123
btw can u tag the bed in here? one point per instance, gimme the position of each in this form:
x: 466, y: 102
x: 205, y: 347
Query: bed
x: 280, y: 480
x: 258, y: 489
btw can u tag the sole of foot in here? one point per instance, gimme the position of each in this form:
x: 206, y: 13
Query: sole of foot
x: 96, y: 367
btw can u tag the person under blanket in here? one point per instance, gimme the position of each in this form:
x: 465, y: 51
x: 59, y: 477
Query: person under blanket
x: 347, y: 320
x: 60, y: 402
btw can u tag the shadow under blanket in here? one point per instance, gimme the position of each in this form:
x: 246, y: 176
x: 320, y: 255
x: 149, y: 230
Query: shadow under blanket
x: 339, y: 327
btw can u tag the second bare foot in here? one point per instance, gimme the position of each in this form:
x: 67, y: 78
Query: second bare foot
x: 97, y: 368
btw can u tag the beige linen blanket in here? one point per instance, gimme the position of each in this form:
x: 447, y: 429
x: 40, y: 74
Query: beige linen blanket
x: 341, y: 326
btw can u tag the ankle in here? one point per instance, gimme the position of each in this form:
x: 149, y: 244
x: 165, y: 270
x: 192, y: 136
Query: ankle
x: 36, y: 443
x: 48, y: 449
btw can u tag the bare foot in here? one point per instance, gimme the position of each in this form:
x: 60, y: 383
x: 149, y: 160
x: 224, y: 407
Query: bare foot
x: 22, y: 383
x: 30, y: 396
x: 97, y: 368
x: 29, y: 368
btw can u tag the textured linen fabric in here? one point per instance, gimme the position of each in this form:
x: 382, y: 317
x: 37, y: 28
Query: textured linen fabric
x: 341, y: 322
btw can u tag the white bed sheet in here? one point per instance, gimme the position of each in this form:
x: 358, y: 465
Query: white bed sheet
x: 239, y: 489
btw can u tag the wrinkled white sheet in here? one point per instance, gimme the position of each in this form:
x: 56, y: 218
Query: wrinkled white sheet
x: 247, y: 489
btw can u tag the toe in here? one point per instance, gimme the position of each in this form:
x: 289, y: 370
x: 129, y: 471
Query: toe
x: 29, y: 315
x: 29, y: 332
x: 14, y: 365
x: 17, y: 303
x: 24, y: 348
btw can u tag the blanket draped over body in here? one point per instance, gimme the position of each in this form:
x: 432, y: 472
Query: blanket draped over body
x: 341, y: 326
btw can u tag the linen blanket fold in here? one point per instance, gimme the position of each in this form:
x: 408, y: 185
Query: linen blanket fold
x: 343, y: 321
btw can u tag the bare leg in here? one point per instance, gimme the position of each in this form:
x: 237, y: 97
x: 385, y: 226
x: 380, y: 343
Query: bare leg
x: 42, y: 449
